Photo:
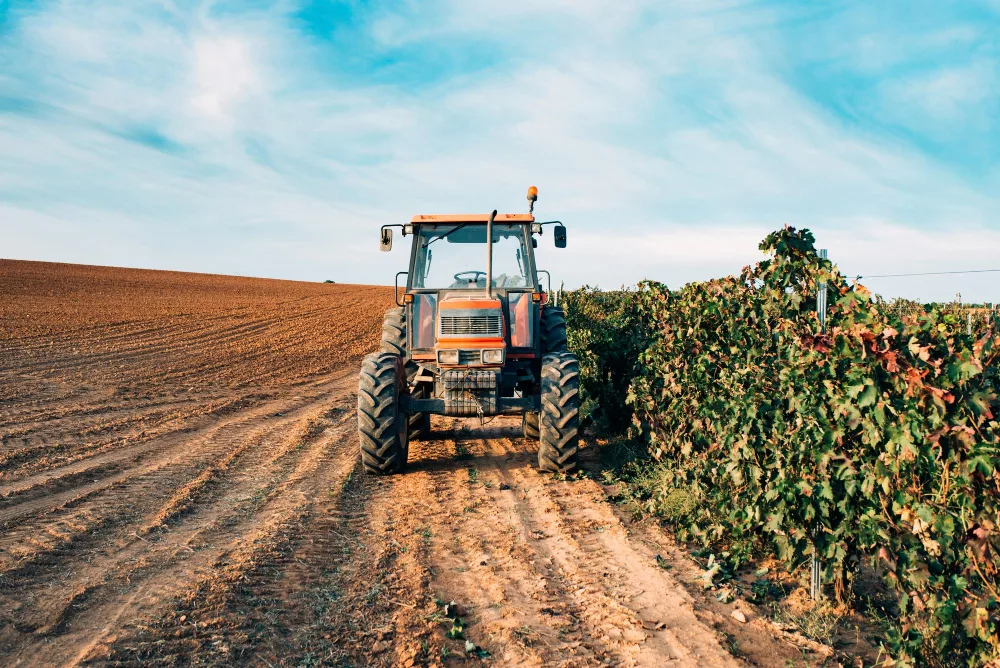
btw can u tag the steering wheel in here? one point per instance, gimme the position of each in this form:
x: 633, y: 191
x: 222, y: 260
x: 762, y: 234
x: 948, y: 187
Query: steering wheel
x: 475, y: 273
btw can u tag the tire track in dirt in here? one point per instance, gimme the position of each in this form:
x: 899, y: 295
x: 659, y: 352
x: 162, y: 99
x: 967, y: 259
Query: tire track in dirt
x: 177, y: 449
x: 199, y: 454
x: 276, y: 558
x: 240, y: 547
x: 99, y: 410
x: 544, y: 566
x: 180, y: 534
x: 55, y: 449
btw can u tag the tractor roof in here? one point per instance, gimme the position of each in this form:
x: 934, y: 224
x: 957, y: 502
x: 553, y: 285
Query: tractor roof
x: 472, y: 218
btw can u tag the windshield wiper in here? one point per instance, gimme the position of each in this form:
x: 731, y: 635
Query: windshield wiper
x: 451, y: 231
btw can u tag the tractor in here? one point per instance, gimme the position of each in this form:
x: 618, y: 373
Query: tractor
x: 474, y: 334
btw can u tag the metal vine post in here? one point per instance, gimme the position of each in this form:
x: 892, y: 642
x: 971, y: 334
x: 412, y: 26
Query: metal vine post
x: 816, y: 575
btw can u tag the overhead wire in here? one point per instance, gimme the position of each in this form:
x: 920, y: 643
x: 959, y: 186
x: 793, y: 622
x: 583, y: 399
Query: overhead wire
x: 931, y: 273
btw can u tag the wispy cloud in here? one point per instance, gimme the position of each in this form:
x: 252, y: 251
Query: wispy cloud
x: 864, y: 248
x: 271, y: 139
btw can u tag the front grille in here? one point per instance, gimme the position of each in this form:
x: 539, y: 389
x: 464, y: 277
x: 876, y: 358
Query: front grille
x: 470, y: 392
x: 470, y: 357
x: 469, y: 379
x: 471, y: 325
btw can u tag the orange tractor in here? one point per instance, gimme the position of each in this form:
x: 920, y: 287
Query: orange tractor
x: 474, y: 336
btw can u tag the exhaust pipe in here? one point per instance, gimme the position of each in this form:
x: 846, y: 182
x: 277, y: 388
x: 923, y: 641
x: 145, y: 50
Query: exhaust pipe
x: 489, y: 254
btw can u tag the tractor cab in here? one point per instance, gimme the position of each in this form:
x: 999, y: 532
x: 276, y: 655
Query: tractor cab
x: 474, y: 333
x: 463, y: 313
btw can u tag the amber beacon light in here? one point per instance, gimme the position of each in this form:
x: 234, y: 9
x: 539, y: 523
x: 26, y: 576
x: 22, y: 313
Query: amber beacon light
x: 532, y: 198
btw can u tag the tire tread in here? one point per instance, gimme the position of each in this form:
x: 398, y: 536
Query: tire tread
x: 559, y: 421
x: 553, y: 330
x: 378, y: 392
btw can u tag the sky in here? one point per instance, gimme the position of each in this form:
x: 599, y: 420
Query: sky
x: 274, y: 138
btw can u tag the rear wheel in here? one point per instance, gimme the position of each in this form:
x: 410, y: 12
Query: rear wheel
x: 559, y: 421
x: 394, y: 332
x: 553, y: 330
x: 382, y: 427
x: 529, y: 426
x: 394, y: 341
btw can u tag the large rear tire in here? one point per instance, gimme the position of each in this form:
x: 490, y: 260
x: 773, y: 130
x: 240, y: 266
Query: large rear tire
x: 553, y: 330
x: 529, y: 426
x: 394, y: 331
x: 559, y: 422
x: 394, y: 341
x: 382, y: 427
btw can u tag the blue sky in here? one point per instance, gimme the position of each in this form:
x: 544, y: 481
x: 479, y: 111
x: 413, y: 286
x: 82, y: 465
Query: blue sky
x: 272, y: 138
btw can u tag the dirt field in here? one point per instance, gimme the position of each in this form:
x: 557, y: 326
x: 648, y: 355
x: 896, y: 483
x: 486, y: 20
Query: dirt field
x: 179, y: 484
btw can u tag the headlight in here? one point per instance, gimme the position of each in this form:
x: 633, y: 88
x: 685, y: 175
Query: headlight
x: 447, y: 357
x: 493, y: 356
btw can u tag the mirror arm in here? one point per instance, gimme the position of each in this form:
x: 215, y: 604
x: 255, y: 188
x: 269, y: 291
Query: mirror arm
x: 547, y: 274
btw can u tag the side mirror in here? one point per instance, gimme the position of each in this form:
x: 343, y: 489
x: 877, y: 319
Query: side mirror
x: 385, y: 241
x: 560, y: 235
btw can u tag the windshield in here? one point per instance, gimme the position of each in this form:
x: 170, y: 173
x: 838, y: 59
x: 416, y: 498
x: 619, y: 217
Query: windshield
x: 454, y: 256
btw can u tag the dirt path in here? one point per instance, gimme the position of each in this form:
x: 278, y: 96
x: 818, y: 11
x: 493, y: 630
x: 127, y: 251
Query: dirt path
x: 547, y: 571
x: 179, y: 484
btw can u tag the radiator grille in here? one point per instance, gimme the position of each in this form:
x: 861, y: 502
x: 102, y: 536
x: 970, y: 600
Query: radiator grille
x: 470, y: 357
x: 471, y: 325
x: 471, y: 379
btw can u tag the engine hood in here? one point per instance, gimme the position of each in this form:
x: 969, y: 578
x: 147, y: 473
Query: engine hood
x: 474, y: 301
x: 475, y: 318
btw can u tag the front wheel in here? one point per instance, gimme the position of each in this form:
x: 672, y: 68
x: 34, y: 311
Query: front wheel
x: 382, y: 426
x: 559, y: 422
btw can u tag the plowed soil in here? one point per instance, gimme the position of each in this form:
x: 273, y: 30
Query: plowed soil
x: 179, y: 484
